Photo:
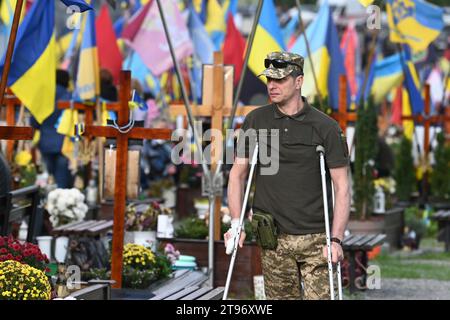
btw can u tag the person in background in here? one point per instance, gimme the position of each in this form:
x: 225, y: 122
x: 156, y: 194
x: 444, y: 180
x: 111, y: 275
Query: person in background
x: 51, y: 142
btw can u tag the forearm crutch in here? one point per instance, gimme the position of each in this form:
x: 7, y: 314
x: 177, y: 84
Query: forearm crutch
x: 321, y: 151
x: 241, y: 221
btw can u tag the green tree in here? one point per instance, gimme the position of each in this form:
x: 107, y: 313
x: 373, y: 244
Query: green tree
x: 366, y: 148
x: 440, y: 176
x: 404, y: 172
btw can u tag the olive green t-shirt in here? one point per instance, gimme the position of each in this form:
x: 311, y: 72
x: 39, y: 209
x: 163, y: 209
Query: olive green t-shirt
x: 292, y: 190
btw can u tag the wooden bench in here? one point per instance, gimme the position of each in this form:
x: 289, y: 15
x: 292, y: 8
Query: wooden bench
x: 443, y: 219
x: 17, y: 204
x: 86, y: 228
x: 187, y: 285
x: 354, y: 267
x: 86, y: 247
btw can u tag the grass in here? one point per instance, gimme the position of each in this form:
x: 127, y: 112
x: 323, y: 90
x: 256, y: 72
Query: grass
x: 427, y: 265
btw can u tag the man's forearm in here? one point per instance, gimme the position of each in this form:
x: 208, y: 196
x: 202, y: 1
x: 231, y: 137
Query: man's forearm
x: 341, y: 212
x: 235, y: 195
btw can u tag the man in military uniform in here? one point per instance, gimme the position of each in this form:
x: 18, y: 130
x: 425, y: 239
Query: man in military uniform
x: 297, y: 267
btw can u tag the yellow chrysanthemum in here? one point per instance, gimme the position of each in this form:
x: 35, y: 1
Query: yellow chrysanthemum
x: 23, y: 158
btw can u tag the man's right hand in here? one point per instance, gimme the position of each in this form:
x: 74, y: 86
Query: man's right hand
x: 230, y: 236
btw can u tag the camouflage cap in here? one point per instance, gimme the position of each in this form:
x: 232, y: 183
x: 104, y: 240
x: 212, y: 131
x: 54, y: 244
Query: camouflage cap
x: 278, y: 73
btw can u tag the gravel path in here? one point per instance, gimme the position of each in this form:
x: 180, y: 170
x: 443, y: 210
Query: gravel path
x: 408, y: 289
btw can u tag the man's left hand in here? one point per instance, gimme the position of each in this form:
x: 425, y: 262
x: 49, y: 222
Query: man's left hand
x: 337, y: 254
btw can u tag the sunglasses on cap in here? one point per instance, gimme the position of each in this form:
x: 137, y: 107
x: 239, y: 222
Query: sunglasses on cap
x: 279, y: 64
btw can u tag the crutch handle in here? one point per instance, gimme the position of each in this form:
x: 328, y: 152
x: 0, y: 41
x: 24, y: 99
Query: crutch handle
x: 320, y: 149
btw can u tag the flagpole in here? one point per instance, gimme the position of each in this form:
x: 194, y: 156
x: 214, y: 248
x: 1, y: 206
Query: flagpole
x: 308, y: 49
x: 10, y: 50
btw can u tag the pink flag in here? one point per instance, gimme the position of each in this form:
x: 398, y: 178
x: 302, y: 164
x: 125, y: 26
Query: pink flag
x: 349, y: 47
x: 150, y: 41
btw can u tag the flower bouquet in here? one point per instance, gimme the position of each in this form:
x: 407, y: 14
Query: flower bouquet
x: 141, y: 266
x: 144, y: 218
x: 66, y: 206
x: 27, y: 253
x: 22, y: 282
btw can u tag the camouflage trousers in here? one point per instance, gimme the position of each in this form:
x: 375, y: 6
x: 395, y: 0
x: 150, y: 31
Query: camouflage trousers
x: 297, y: 269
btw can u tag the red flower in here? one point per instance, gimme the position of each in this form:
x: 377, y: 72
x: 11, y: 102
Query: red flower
x: 2, y: 241
x: 16, y: 247
x: 3, y: 251
x: 9, y: 256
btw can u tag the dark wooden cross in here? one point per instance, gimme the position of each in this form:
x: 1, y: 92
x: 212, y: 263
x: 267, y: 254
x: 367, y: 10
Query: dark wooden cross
x: 87, y: 108
x: 342, y: 116
x: 121, y: 167
x: 427, y: 121
x: 217, y: 104
x: 11, y: 103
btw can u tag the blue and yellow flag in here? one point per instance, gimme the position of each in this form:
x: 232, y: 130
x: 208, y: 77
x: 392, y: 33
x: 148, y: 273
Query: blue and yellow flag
x: 268, y: 38
x: 326, y: 57
x: 414, y: 22
x: 32, y: 76
x: 88, y: 82
x: 7, y: 8
x: 411, y: 82
x: 215, y: 23
x: 388, y: 74
x: 200, y: 8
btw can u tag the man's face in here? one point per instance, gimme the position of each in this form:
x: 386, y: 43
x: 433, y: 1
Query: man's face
x: 282, y: 90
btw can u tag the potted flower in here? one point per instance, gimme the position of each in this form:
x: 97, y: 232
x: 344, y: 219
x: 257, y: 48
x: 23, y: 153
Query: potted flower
x: 141, y: 267
x: 65, y: 206
x: 20, y: 281
x: 192, y: 228
x: 141, y: 223
x: 28, y: 253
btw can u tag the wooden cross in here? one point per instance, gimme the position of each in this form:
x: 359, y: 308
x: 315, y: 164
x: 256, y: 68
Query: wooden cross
x: 16, y: 133
x: 427, y: 120
x: 342, y: 116
x: 217, y: 104
x: 11, y: 103
x: 88, y: 109
x: 121, y: 167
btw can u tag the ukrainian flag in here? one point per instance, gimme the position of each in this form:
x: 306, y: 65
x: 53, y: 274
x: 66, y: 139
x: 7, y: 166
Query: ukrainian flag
x: 7, y: 8
x: 411, y: 82
x: 215, y: 23
x: 414, y: 22
x: 268, y: 38
x: 32, y: 76
x: 325, y: 55
x: 388, y: 74
x: 88, y: 82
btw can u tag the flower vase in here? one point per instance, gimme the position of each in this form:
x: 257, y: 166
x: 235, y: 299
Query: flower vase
x: 45, y: 244
x: 61, y: 245
x: 169, y: 196
x: 165, y: 226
